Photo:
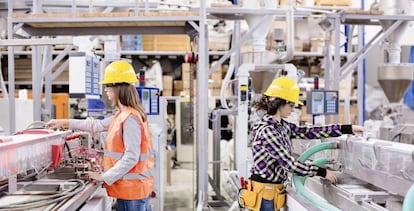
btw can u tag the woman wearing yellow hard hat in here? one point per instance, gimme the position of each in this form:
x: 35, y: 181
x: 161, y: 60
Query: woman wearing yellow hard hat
x: 272, y: 145
x: 128, y: 153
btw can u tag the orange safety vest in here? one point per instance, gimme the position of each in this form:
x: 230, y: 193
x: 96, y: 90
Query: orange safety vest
x: 138, y: 183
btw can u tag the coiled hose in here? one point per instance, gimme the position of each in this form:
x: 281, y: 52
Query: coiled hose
x: 408, y: 204
x: 299, y: 181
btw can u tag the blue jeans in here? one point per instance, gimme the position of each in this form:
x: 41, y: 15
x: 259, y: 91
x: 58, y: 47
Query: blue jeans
x: 132, y: 205
x: 267, y: 205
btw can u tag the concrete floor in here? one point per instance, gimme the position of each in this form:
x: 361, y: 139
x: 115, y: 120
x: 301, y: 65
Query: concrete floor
x: 180, y: 194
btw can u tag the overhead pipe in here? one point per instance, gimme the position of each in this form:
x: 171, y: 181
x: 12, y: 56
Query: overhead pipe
x: 396, y: 7
x: 259, y: 35
x: 290, y: 33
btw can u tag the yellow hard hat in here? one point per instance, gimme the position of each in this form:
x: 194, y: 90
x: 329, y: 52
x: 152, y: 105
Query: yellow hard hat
x: 284, y: 88
x: 119, y: 72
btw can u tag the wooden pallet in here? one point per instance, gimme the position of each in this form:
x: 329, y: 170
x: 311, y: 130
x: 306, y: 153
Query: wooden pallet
x: 224, y: 5
x: 333, y: 3
x: 364, y: 12
x: 62, y: 47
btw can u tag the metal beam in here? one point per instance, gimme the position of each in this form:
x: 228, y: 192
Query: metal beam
x: 362, y: 52
x: 34, y: 41
x: 237, y: 46
x: 60, y: 70
x: 55, y: 61
x: 78, y: 31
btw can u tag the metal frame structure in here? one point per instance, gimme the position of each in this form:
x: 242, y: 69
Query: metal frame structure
x: 196, y: 23
x: 339, y: 71
x: 40, y: 69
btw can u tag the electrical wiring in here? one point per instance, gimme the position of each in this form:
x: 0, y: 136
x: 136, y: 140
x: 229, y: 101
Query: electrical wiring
x: 30, y: 204
x: 4, y: 184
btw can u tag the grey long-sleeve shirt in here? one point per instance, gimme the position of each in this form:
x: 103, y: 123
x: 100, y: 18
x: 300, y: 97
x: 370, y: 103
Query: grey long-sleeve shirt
x: 132, y: 142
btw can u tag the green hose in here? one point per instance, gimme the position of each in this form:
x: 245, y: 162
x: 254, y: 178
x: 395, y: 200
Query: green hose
x: 317, y: 162
x: 408, y: 204
x: 299, y: 181
x: 317, y: 148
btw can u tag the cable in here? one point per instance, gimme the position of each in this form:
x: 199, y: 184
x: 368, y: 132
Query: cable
x: 68, y: 148
x: 36, y: 203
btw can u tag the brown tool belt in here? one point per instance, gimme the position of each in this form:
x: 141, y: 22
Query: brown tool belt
x: 251, y: 196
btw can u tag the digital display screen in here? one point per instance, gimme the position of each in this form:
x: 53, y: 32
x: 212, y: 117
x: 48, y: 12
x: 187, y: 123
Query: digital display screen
x: 317, y: 96
x: 145, y: 95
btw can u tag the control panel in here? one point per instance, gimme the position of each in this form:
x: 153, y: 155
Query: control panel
x: 150, y: 99
x: 322, y: 102
x: 331, y: 102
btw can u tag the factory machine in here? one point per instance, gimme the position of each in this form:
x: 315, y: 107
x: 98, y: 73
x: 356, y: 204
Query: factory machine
x: 47, y: 170
x: 42, y: 169
x: 374, y: 172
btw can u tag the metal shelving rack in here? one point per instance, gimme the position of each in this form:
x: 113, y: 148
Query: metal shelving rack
x: 195, y: 23
x: 41, y: 24
x: 44, y: 25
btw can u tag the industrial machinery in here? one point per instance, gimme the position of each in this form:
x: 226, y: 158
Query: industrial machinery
x: 155, y: 107
x: 373, y: 174
x: 42, y: 169
x: 47, y: 170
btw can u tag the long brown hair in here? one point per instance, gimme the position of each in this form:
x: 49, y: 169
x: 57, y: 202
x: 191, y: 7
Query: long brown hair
x: 269, y: 104
x: 128, y: 96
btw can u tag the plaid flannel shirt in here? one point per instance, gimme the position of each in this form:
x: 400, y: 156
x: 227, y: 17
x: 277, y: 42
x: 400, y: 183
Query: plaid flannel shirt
x: 272, y: 148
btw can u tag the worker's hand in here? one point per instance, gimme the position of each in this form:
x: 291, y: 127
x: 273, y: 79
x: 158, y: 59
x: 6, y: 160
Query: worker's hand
x: 95, y: 176
x: 357, y: 129
x: 56, y: 123
x: 330, y: 175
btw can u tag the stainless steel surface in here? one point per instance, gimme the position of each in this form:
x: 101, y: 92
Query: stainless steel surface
x: 76, y: 201
x: 402, y: 133
x: 295, y: 202
x: 43, y: 190
x: 394, y: 79
x: 348, y: 197
x: 261, y: 79
x: 387, y: 165
x: 373, y: 174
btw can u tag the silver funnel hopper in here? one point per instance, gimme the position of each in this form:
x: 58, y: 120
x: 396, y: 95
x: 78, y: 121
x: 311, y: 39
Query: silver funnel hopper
x: 395, y: 79
x: 260, y: 79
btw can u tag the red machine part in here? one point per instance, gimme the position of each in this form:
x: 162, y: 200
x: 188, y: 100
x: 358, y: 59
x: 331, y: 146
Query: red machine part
x: 71, y: 137
x: 6, y: 139
x: 191, y: 57
x: 57, y: 151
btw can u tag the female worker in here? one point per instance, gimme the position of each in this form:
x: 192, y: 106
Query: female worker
x: 128, y: 156
x: 272, y: 145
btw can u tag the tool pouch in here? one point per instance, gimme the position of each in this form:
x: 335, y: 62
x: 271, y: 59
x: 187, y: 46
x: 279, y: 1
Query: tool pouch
x: 280, y: 199
x: 274, y: 192
x: 249, y: 199
x: 253, y: 199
